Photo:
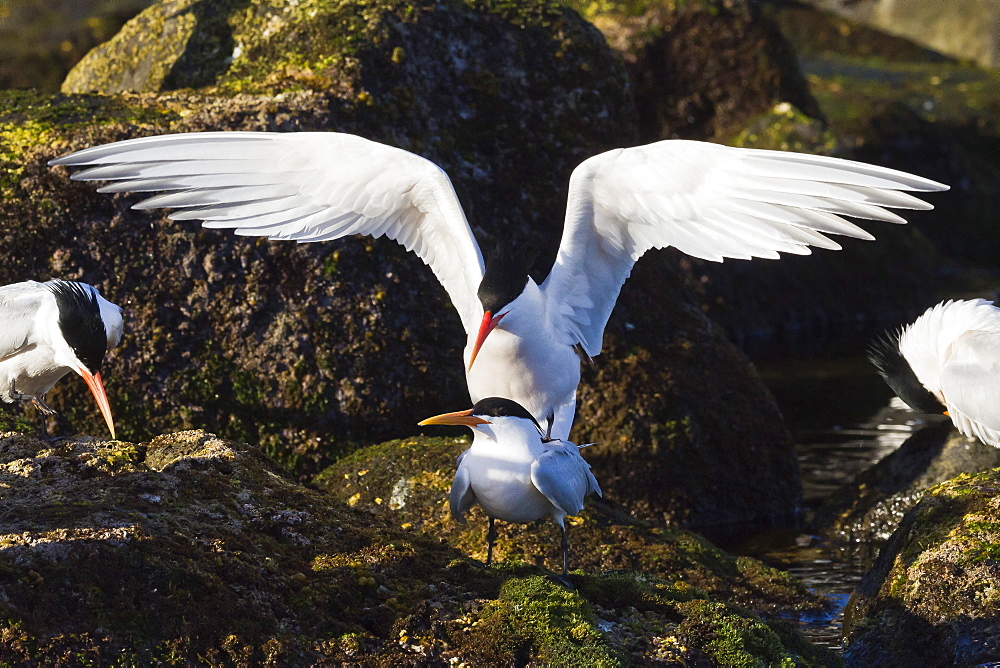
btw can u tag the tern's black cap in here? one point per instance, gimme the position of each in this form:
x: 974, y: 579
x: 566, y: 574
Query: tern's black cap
x: 500, y: 407
x: 884, y: 353
x: 505, y: 276
x: 80, y: 322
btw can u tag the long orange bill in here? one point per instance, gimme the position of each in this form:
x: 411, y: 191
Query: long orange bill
x: 488, y: 325
x: 97, y: 387
x: 465, y: 418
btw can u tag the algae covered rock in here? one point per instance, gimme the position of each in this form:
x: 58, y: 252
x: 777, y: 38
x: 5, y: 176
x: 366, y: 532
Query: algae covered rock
x: 932, y: 596
x: 407, y: 481
x: 189, y: 546
x: 192, y: 549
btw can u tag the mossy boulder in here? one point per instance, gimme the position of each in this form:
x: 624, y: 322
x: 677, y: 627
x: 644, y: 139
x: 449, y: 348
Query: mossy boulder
x: 871, y: 506
x: 700, y: 69
x: 192, y: 549
x: 932, y: 596
x: 406, y: 481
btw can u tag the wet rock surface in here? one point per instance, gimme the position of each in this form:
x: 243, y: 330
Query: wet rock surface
x: 870, y: 508
x: 190, y: 548
x: 931, y: 597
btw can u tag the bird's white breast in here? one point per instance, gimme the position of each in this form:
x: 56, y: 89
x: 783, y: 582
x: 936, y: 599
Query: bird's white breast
x: 39, y: 361
x: 500, y: 477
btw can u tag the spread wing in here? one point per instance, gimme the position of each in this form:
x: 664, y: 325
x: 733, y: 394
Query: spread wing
x: 308, y: 186
x: 461, y: 497
x: 563, y: 476
x: 709, y: 201
x: 970, y: 383
x: 19, y: 303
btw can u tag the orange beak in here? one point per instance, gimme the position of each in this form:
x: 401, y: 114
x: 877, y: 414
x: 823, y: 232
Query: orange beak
x: 488, y: 325
x: 97, y: 387
x: 465, y: 418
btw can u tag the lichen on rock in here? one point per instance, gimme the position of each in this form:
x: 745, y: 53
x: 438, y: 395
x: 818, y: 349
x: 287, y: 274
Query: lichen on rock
x: 931, y: 597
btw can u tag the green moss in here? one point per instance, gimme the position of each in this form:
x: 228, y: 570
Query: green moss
x: 786, y: 128
x: 535, y: 615
x: 15, y: 423
x: 734, y: 639
x: 31, y: 121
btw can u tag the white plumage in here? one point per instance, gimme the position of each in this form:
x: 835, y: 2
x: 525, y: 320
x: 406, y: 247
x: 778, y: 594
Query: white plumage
x: 707, y: 200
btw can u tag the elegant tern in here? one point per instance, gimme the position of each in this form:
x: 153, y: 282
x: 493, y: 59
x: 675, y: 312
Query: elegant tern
x: 948, y: 361
x: 514, y: 471
x: 523, y: 338
x: 49, y: 330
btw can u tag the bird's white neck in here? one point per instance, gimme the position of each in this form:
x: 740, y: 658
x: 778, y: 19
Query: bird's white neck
x: 507, y: 437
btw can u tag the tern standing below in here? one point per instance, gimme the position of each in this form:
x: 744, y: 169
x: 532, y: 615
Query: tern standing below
x: 514, y: 472
x: 49, y: 329
x: 948, y: 361
x: 523, y: 338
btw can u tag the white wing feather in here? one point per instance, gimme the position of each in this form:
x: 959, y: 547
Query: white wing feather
x: 308, y: 186
x: 461, y: 497
x: 709, y: 201
x: 19, y: 303
x: 563, y: 476
x: 970, y: 383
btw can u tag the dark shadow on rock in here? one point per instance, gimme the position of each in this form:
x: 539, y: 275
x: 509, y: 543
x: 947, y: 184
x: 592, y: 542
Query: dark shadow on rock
x: 209, y: 50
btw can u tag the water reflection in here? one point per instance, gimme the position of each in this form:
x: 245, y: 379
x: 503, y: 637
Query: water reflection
x: 844, y: 420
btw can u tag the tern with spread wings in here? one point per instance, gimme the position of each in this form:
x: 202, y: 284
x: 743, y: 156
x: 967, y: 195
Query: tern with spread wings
x: 707, y: 200
x: 948, y: 361
x: 49, y: 329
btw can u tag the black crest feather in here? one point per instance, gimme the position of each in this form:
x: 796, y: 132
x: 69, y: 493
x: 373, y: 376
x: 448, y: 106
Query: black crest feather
x: 505, y: 276
x: 885, y: 355
x: 80, y: 321
x: 500, y: 407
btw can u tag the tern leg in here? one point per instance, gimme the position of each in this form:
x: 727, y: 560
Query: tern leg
x: 36, y: 400
x: 565, y: 551
x: 491, y: 537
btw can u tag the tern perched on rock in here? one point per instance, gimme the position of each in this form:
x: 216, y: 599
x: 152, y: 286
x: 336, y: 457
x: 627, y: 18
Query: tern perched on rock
x: 707, y: 200
x: 948, y: 361
x: 514, y: 471
x: 49, y: 329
